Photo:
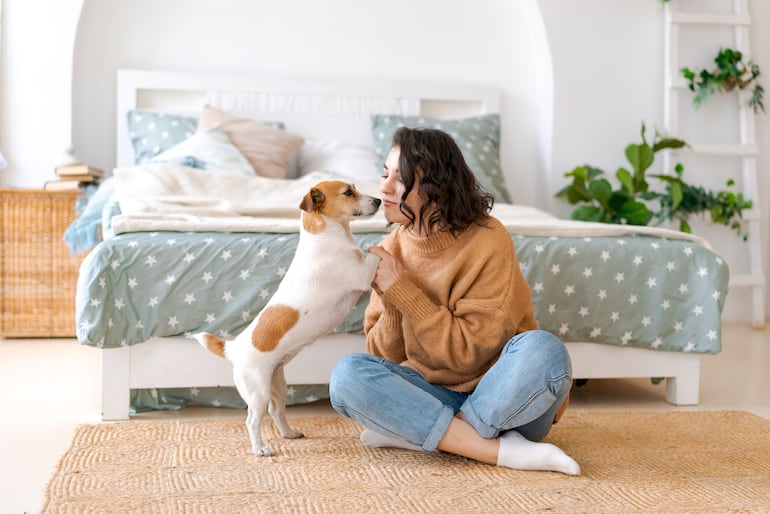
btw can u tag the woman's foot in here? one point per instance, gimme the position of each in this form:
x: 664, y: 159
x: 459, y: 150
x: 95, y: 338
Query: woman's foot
x: 518, y: 452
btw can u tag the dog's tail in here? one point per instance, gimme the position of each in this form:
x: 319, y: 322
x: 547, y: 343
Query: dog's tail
x: 211, y: 342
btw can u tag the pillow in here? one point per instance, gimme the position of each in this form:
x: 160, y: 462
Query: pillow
x: 478, y: 138
x: 268, y: 149
x: 209, y: 150
x: 355, y: 162
x: 153, y: 132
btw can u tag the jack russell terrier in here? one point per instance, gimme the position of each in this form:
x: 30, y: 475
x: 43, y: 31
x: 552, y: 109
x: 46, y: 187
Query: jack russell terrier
x: 324, y: 281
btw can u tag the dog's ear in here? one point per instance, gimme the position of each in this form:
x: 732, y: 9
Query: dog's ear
x: 314, y: 197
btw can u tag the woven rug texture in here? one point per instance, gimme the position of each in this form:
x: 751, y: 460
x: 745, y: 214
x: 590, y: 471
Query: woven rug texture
x: 631, y: 462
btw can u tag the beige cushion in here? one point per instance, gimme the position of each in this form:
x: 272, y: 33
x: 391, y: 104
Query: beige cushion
x: 268, y: 149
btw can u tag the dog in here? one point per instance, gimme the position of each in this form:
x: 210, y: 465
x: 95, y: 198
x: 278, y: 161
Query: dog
x: 326, y: 277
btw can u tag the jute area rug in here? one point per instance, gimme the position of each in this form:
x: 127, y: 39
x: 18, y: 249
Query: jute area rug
x: 631, y: 462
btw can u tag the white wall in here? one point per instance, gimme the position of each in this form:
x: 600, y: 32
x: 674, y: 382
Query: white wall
x: 577, y: 77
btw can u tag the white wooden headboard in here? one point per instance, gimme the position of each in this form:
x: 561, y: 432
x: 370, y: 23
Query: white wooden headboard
x: 324, y: 108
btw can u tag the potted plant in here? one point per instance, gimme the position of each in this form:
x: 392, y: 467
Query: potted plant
x: 731, y: 72
x: 630, y: 201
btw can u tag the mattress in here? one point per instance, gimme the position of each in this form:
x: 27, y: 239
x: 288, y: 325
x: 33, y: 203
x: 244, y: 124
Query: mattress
x: 633, y: 290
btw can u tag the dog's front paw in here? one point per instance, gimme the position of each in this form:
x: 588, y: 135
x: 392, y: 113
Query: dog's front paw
x: 293, y: 434
x: 372, y: 261
x: 262, y: 451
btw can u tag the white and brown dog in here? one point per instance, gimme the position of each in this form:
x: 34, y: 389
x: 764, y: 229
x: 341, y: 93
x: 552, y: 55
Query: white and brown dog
x: 324, y: 281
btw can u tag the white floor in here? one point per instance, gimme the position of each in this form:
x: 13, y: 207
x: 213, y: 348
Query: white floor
x: 48, y: 387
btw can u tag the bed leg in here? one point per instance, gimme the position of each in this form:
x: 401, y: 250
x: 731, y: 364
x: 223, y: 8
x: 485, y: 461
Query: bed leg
x: 683, y: 389
x: 116, y: 387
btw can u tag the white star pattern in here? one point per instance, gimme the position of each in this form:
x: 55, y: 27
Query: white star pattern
x: 210, y: 318
x: 602, y: 294
x: 555, y: 269
x: 588, y: 272
x: 150, y: 260
x: 569, y: 290
x: 620, y: 277
x: 189, y: 299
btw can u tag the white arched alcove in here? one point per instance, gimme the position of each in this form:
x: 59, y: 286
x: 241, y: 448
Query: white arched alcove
x: 495, y: 42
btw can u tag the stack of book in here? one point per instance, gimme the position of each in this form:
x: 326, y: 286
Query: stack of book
x: 73, y: 177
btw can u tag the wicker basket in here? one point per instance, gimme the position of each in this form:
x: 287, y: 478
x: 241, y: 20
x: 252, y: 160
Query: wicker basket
x: 38, y: 275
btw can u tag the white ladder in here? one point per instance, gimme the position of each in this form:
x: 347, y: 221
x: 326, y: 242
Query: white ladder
x: 675, y: 90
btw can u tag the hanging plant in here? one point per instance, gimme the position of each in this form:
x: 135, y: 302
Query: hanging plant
x: 731, y: 72
x: 629, y: 203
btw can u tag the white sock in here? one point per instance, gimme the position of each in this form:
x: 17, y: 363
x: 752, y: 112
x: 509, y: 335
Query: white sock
x: 378, y: 440
x: 518, y: 452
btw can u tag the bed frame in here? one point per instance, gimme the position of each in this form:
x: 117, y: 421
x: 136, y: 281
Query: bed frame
x: 329, y: 109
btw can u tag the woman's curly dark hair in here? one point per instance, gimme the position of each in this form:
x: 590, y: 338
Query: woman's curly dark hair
x: 446, y: 181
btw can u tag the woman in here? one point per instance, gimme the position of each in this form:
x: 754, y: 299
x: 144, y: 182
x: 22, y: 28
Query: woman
x: 455, y: 360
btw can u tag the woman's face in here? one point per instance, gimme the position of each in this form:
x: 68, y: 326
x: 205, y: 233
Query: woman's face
x: 392, y: 189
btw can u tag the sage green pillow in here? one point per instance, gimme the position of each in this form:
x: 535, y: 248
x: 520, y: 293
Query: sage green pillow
x: 154, y: 132
x: 478, y: 138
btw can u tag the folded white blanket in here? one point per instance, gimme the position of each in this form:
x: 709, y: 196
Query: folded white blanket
x: 168, y: 197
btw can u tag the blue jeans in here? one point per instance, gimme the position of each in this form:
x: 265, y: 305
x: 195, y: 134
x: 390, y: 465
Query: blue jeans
x: 522, y: 391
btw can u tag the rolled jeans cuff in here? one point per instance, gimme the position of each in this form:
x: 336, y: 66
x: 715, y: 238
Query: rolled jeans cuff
x: 484, y: 430
x: 439, y: 429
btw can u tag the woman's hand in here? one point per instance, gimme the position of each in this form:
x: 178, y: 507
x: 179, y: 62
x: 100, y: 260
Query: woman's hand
x: 388, y: 270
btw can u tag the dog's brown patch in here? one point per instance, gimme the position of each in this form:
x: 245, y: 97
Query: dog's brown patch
x: 313, y: 222
x: 273, y: 324
x: 214, y: 344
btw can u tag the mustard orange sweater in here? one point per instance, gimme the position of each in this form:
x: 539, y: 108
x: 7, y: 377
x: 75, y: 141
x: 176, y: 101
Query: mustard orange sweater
x: 459, y: 300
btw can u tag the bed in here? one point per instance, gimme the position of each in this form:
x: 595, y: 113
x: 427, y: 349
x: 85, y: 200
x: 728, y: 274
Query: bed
x: 195, y: 236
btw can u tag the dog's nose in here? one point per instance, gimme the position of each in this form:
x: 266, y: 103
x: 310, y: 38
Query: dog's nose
x: 377, y: 202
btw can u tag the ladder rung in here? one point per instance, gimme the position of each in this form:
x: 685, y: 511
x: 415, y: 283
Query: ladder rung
x: 747, y: 279
x: 684, y: 18
x: 722, y: 149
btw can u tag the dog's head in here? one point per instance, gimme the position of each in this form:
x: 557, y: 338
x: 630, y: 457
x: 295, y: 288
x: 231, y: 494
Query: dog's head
x: 336, y: 201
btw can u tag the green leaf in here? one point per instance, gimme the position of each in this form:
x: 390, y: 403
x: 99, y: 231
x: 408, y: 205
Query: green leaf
x: 625, y: 179
x: 635, y: 213
x: 588, y: 213
x: 601, y: 190
x: 640, y: 157
x: 676, y: 195
x: 668, y: 143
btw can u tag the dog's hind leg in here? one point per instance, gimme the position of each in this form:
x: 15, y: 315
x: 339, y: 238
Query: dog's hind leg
x: 278, y: 405
x: 255, y: 391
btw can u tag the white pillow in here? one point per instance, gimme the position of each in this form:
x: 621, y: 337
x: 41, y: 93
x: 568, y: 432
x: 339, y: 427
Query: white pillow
x: 358, y: 163
x: 208, y: 150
